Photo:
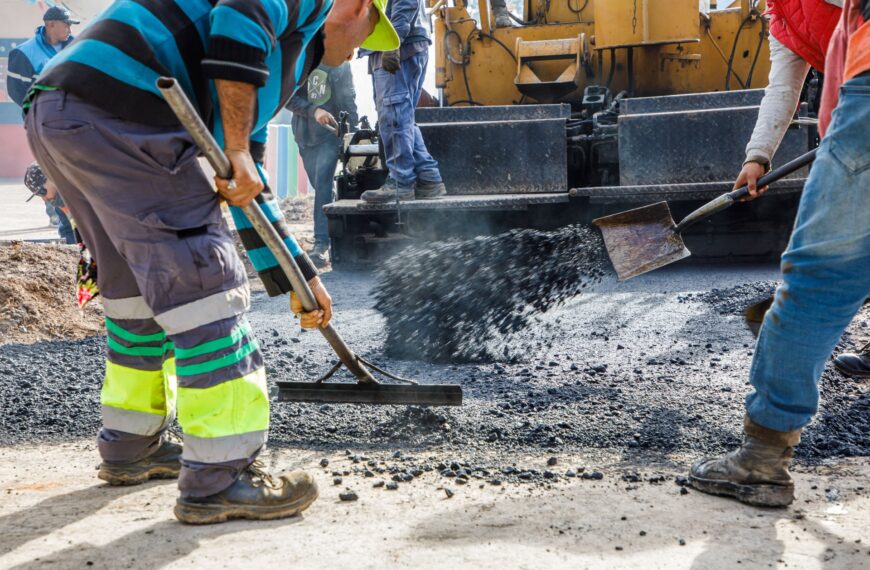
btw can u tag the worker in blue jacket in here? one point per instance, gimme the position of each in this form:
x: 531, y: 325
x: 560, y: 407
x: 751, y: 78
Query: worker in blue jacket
x: 25, y: 63
x: 27, y: 60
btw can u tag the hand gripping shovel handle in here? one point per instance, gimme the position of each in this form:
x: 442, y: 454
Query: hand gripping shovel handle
x: 727, y: 199
x: 189, y: 118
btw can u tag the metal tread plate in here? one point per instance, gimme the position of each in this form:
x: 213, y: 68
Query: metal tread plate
x: 470, y: 202
x: 674, y: 192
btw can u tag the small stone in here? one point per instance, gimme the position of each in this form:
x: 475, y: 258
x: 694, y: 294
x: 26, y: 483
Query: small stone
x: 681, y: 480
x: 682, y: 542
x: 643, y: 533
x: 552, y: 461
x: 617, y: 547
x: 377, y: 484
x: 448, y: 492
x: 392, y: 486
x: 324, y: 462
x: 348, y: 496
x: 461, y: 480
x: 596, y: 475
x: 336, y: 480
x: 495, y: 482
x: 684, y: 491
x: 549, y: 474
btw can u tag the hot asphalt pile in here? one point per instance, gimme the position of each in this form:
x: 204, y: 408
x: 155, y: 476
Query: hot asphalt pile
x: 466, y: 301
x: 626, y: 370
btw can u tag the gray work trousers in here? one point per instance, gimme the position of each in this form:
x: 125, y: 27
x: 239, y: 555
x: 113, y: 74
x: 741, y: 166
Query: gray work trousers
x: 173, y: 288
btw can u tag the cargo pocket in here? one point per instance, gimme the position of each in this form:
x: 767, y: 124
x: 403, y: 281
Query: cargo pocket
x: 65, y: 127
x: 188, y: 263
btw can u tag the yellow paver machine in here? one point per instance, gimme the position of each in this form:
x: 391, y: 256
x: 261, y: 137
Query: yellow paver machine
x: 581, y: 109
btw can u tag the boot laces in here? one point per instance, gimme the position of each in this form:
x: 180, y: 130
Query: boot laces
x: 259, y: 475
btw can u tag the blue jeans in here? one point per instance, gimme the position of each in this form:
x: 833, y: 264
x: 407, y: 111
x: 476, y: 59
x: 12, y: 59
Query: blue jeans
x: 320, y: 161
x: 396, y: 96
x: 825, y: 271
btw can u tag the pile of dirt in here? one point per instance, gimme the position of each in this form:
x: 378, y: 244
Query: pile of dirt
x: 298, y: 208
x: 465, y: 301
x: 734, y: 300
x: 38, y: 295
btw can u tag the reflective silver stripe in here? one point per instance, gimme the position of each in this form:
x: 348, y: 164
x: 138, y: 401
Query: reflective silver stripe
x: 262, y: 72
x: 221, y: 449
x: 19, y: 77
x: 216, y: 307
x: 131, y: 421
x: 127, y: 308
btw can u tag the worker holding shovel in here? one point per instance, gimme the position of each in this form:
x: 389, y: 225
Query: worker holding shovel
x: 826, y: 278
x: 174, y: 289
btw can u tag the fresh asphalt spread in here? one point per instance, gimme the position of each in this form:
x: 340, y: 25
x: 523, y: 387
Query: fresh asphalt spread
x: 656, y: 365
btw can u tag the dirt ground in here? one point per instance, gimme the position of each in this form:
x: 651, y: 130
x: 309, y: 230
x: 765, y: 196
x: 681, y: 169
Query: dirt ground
x: 56, y: 514
x: 38, y: 295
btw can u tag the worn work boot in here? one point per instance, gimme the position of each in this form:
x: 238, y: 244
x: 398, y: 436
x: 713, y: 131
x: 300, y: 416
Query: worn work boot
x: 165, y: 463
x: 255, y: 495
x: 388, y: 193
x: 320, y: 255
x: 502, y: 17
x: 429, y: 190
x: 756, y: 473
x: 855, y: 365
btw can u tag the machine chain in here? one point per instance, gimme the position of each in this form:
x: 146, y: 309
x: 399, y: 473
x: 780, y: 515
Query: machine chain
x: 634, y: 19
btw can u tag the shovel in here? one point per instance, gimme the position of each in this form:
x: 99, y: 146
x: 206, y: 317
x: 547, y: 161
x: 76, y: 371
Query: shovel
x: 647, y: 238
x: 367, y: 390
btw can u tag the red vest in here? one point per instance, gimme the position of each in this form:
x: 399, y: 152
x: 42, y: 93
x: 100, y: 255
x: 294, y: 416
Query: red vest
x: 804, y: 27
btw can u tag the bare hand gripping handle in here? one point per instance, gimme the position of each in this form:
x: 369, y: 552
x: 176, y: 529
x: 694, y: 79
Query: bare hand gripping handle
x: 191, y: 121
x: 729, y: 198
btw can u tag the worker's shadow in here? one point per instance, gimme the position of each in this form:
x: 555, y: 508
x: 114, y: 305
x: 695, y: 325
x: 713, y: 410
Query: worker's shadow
x: 43, y: 518
x: 156, y: 546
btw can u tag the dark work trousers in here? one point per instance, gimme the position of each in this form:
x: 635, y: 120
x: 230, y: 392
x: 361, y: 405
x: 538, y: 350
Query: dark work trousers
x: 174, y: 290
x: 320, y: 161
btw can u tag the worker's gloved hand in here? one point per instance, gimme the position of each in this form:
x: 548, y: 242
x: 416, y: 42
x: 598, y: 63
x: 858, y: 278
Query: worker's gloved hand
x: 390, y: 61
x: 313, y: 319
x: 749, y: 176
x: 246, y: 180
x: 324, y: 117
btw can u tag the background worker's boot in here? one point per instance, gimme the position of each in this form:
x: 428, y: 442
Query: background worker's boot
x: 429, y: 190
x: 855, y: 365
x: 389, y: 192
x: 255, y: 495
x: 320, y: 255
x: 502, y: 17
x: 756, y: 473
x: 165, y: 463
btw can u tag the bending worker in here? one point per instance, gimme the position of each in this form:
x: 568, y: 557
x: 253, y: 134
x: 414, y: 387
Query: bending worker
x: 170, y: 276
x: 826, y: 278
x: 315, y: 106
x: 800, y: 32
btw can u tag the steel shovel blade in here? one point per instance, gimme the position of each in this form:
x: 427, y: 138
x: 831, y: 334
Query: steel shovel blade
x: 641, y: 240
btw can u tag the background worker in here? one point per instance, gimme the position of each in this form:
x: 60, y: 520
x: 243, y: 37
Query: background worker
x: 25, y: 63
x: 826, y: 278
x: 398, y: 77
x: 38, y: 184
x: 315, y: 106
x: 174, y: 289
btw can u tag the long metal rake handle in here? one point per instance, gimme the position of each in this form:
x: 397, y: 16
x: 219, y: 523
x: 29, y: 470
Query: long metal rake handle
x: 729, y: 198
x: 191, y: 121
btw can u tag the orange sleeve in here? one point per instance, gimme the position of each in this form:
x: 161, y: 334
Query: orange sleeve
x: 858, y: 52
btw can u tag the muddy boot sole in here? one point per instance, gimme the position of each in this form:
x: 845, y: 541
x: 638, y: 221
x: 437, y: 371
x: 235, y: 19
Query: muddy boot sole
x: 118, y: 477
x: 757, y: 495
x: 201, y: 513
